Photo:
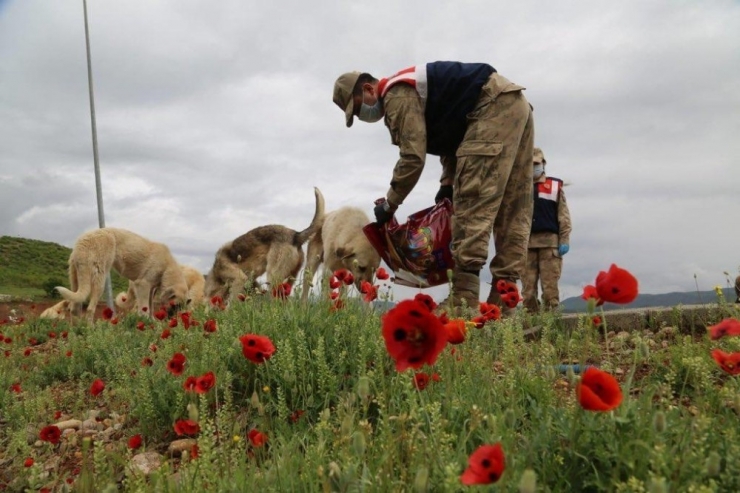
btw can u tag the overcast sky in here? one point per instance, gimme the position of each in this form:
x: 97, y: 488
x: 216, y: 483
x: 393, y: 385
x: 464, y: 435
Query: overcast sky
x: 216, y: 117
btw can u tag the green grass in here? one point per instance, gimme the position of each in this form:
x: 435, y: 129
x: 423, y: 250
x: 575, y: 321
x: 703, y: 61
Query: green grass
x: 26, y: 266
x: 365, y: 427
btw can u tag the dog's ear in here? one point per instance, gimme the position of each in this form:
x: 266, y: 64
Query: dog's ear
x: 343, y: 253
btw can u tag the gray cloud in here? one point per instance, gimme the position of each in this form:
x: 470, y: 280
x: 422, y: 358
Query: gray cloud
x: 214, y: 119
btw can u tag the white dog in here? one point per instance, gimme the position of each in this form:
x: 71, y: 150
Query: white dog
x: 341, y: 244
x: 148, y: 263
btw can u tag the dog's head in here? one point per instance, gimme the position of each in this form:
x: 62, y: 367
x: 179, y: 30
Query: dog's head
x: 361, y: 259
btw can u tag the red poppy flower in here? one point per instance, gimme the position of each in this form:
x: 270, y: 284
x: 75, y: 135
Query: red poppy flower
x: 728, y: 327
x: 50, y: 434
x: 589, y: 292
x: 153, y: 348
x: 176, y: 365
x: 185, y: 317
x: 190, y: 384
x: 28, y: 462
x: 504, y: 287
x: 616, y: 286
x: 413, y: 335
x: 598, y: 391
x: 68, y: 354
x: 242, y: 297
x: 57, y: 414
x: 144, y: 309
x: 370, y: 291
x: 334, y: 283
x: 456, y: 331
x: 489, y: 311
x: 65, y: 334
x: 97, y: 387
x: 426, y: 300
x: 436, y: 377
x: 33, y: 341
x: 596, y: 321
x: 194, y: 451
x: 421, y: 380
x: 382, y: 274
x: 134, y: 442
x: 345, y: 276
x: 257, y: 349
x: 186, y: 427
x: 511, y: 300
x: 281, y: 291
x: 333, y: 295
x: 107, y: 313
x: 16, y: 388
x: 205, y: 382
x: 52, y: 335
x: 165, y: 334
x: 210, y: 325
x: 172, y: 323
x: 27, y: 352
x: 147, y: 362
x: 218, y: 302
x: 729, y: 362
x: 296, y: 415
x: 114, y: 321
x: 8, y: 340
x: 140, y: 325
x: 479, y: 321
x: 257, y: 438
x: 160, y: 314
x: 485, y: 465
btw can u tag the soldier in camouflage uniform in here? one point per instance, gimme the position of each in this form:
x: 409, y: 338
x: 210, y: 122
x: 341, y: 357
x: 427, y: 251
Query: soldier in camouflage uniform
x: 481, y: 126
x: 549, y: 239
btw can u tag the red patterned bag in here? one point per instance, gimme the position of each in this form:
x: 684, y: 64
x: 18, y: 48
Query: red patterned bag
x: 417, y: 251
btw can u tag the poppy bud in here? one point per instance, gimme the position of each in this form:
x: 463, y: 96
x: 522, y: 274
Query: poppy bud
x: 658, y: 485
x: 358, y: 443
x: 510, y: 418
x: 528, y: 482
x: 659, y: 422
x: 347, y: 423
x: 193, y: 412
x: 421, y: 480
x: 255, y: 400
x: 363, y: 387
x: 644, y: 350
x: 713, y: 464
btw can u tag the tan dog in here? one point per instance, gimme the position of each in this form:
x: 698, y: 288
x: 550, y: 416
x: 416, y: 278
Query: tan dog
x: 273, y: 250
x: 196, y: 288
x: 341, y: 244
x: 148, y: 263
x: 57, y: 312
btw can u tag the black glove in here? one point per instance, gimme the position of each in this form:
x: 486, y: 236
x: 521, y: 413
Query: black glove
x: 383, y: 213
x: 445, y: 192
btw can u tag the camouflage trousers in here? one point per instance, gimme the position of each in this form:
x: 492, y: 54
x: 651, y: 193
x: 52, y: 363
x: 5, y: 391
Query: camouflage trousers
x: 543, y: 266
x: 492, y: 188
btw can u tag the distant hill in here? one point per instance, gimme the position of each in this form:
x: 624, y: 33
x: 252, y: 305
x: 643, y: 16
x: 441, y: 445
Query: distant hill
x: 27, y: 266
x: 576, y: 304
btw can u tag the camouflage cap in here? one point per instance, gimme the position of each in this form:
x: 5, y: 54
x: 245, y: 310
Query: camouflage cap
x: 538, y: 156
x: 343, y: 88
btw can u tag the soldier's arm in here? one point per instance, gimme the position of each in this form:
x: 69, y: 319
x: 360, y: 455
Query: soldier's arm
x: 404, y: 116
x: 564, y: 220
x: 449, y: 164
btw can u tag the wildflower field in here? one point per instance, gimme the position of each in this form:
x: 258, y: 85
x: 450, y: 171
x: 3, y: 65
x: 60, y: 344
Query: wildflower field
x: 272, y: 394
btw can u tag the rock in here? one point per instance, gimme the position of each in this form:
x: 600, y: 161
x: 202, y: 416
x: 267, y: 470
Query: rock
x: 73, y: 424
x: 91, y: 424
x: 146, y: 462
x: 93, y: 413
x: 179, y: 446
x: 68, y: 431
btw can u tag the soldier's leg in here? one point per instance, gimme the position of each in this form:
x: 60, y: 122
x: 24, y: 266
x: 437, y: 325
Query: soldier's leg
x: 551, y: 265
x: 530, y: 280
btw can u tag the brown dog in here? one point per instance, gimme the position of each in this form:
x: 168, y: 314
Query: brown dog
x: 196, y: 288
x: 273, y: 250
x: 341, y: 244
x: 148, y: 263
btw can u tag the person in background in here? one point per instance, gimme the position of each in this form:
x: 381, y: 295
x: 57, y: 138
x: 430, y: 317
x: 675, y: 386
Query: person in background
x: 481, y: 126
x: 549, y: 239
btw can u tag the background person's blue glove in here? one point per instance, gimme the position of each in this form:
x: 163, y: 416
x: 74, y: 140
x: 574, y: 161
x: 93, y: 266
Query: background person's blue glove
x: 563, y: 249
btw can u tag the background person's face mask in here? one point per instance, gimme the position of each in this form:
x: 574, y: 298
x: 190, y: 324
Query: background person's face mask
x: 370, y: 114
x: 539, y: 170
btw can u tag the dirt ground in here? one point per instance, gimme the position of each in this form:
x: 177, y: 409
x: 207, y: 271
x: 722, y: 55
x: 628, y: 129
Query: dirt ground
x: 32, y: 309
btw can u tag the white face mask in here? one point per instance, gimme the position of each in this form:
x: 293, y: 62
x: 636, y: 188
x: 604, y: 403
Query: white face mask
x: 539, y: 170
x: 370, y: 114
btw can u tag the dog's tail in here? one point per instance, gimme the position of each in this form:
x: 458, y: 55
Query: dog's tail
x: 316, y: 222
x: 80, y: 283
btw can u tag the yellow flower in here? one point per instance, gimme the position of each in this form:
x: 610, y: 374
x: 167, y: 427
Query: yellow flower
x: 237, y: 438
x: 266, y: 389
